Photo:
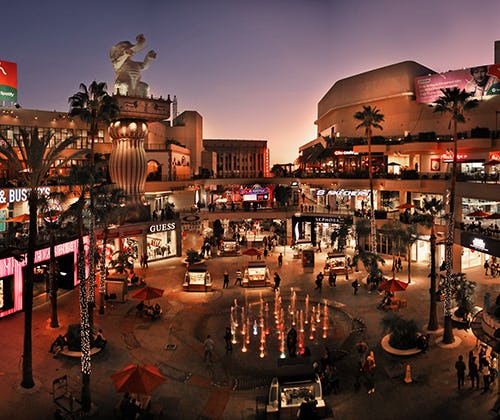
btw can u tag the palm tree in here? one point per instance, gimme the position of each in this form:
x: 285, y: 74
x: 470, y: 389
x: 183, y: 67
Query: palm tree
x: 31, y: 158
x: 432, y: 208
x: 108, y: 209
x: 455, y: 102
x: 51, y: 210
x: 399, y: 237
x: 370, y: 119
x: 80, y: 179
x: 93, y: 106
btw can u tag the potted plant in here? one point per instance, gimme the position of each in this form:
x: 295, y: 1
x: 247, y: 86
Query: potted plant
x: 403, y: 332
x: 193, y: 257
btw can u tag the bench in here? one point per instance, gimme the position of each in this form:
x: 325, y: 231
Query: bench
x: 73, y: 353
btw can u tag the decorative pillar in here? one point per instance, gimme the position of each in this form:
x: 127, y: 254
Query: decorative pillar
x: 127, y: 163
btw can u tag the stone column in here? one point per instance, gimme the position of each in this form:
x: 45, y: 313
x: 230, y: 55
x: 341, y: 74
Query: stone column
x: 127, y: 163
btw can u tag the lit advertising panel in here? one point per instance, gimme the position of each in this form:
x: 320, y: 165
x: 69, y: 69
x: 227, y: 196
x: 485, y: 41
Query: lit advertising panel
x: 8, y: 81
x: 481, y: 81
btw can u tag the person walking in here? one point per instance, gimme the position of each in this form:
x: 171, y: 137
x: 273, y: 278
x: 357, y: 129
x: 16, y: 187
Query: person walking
x: 332, y: 279
x: 369, y: 372
x: 208, y: 344
x: 460, y: 367
x: 355, y: 286
x: 319, y: 281
x: 227, y: 340
x: 239, y: 277
x: 280, y: 260
x: 145, y: 258
x: 277, y: 281
x: 473, y: 370
x: 225, y: 284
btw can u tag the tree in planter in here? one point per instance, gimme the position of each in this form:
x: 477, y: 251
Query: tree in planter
x: 122, y: 261
x: 463, y: 291
x: 362, y: 227
x: 432, y: 209
x: 455, y: 102
x: 399, y: 238
x: 218, y: 230
x: 403, y: 332
x: 192, y: 256
x: 371, y: 262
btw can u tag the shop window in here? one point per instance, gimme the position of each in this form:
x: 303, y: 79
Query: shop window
x: 6, y: 293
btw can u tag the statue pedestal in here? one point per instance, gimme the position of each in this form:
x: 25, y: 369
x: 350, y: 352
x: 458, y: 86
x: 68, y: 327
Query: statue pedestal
x: 128, y: 163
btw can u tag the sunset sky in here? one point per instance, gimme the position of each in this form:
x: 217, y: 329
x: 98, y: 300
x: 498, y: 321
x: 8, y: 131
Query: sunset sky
x: 253, y: 69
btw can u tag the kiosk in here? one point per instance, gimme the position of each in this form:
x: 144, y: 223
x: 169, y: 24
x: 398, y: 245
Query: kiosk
x: 229, y: 248
x: 197, y: 279
x: 256, y: 274
x: 336, y: 263
x: 294, y: 382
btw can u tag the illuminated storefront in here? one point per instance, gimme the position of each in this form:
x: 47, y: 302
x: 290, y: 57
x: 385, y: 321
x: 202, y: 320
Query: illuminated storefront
x: 12, y: 273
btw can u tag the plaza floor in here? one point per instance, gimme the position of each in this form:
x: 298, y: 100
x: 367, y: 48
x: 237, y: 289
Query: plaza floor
x: 230, y: 387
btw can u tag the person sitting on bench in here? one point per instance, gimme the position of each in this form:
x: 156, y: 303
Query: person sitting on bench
x: 58, y: 344
x: 99, y: 340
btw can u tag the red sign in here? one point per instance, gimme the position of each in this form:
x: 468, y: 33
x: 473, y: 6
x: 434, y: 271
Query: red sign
x: 449, y: 156
x: 8, y: 81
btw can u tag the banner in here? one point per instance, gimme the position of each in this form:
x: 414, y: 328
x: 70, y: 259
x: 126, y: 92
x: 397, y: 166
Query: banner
x: 8, y: 81
x: 482, y: 82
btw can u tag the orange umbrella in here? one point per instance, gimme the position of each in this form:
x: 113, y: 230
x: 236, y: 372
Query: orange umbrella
x: 493, y: 216
x: 22, y: 218
x: 392, y: 286
x: 137, y: 379
x: 252, y: 252
x: 405, y: 206
x: 491, y: 162
x: 479, y: 213
x: 148, y: 293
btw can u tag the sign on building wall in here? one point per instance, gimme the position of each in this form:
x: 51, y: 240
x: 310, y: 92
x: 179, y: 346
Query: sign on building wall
x: 482, y: 82
x: 8, y: 81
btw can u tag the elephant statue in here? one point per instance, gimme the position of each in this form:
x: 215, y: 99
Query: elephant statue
x: 128, y: 72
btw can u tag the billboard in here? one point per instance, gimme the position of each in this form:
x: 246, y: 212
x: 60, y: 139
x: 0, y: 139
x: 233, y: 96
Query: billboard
x: 481, y: 81
x: 8, y: 81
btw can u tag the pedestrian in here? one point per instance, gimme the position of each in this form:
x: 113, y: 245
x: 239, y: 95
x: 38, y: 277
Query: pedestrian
x: 332, y: 278
x: 266, y: 252
x: 280, y: 260
x: 355, y: 286
x: 145, y: 260
x: 460, y: 367
x: 239, y: 277
x: 227, y: 340
x: 369, y: 372
x: 277, y: 280
x: 400, y: 266
x: 208, y: 344
x: 225, y: 284
x: 473, y: 370
x: 485, y: 372
x: 319, y: 281
x: 486, y: 267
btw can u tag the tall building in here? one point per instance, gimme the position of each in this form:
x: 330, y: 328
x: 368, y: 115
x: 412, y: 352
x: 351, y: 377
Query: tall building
x: 239, y: 158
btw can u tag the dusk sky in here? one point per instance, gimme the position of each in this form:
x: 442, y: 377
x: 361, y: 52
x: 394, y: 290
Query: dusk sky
x: 253, y: 69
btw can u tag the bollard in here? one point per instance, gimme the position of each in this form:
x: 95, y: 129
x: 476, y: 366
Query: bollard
x: 408, y: 374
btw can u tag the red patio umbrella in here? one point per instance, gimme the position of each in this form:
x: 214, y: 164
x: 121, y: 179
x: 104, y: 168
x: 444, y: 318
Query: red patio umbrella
x: 491, y: 162
x: 405, y: 206
x: 392, y: 286
x: 493, y: 216
x: 479, y: 213
x: 22, y: 218
x: 137, y: 379
x: 148, y: 293
x: 252, y: 252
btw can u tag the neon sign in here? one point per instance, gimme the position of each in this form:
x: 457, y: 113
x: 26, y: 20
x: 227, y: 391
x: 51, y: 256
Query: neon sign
x: 448, y: 156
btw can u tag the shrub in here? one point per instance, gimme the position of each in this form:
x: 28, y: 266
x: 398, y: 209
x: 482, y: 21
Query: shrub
x: 404, y: 332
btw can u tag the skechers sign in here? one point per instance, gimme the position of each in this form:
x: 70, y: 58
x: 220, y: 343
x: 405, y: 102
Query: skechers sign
x: 162, y: 227
x: 480, y: 243
x: 8, y: 81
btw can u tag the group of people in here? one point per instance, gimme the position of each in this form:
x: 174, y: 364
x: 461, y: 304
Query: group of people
x: 153, y: 312
x: 62, y: 342
x: 130, y: 408
x: 477, y: 370
x: 493, y: 267
x: 327, y: 372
